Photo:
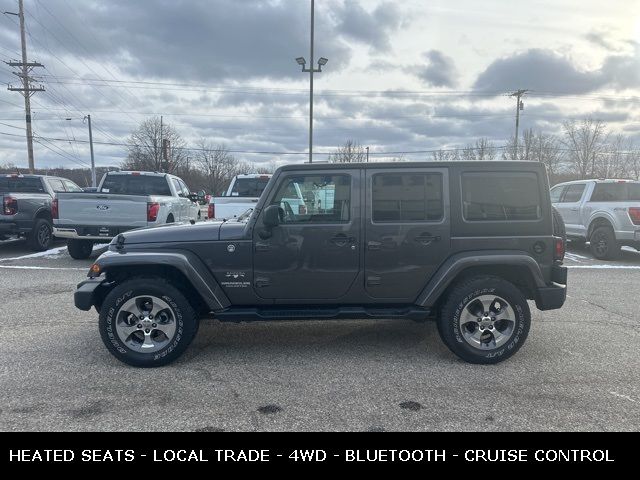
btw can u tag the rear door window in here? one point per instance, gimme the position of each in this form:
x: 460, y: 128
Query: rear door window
x: 500, y: 196
x: 407, y: 197
x: 573, y: 193
x: 56, y: 185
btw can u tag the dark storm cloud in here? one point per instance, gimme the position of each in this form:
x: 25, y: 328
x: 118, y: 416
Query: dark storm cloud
x: 211, y: 40
x: 546, y: 70
x: 439, y: 71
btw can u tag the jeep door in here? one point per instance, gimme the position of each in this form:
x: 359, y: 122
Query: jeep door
x: 314, y: 253
x: 407, y: 233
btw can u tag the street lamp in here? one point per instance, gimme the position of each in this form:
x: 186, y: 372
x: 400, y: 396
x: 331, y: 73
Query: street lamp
x: 302, y: 62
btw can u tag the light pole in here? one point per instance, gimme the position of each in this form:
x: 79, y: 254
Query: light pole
x: 302, y: 62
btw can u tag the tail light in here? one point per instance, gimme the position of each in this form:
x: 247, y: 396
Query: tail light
x: 211, y: 212
x: 9, y: 205
x: 55, y: 212
x: 558, y: 249
x: 302, y: 209
x: 634, y: 214
x: 152, y: 211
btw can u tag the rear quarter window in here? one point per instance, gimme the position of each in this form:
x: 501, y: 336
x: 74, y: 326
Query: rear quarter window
x: 136, y: 185
x: 616, y: 192
x: 500, y: 196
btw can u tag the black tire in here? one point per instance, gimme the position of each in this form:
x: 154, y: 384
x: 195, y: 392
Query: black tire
x: 183, y: 314
x: 80, y: 249
x: 603, y: 243
x: 463, y: 296
x: 558, y: 225
x: 41, y: 236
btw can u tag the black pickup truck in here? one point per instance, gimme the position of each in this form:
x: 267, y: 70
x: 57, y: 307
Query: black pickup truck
x: 464, y: 243
x: 28, y: 206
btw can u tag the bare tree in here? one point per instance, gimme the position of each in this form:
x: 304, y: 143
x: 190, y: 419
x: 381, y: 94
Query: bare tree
x: 617, y: 161
x: 483, y: 149
x: 350, y: 152
x: 145, y: 148
x: 217, y: 164
x: 585, y: 141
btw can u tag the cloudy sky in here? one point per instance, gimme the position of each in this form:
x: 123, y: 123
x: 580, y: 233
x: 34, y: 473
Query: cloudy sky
x: 404, y: 76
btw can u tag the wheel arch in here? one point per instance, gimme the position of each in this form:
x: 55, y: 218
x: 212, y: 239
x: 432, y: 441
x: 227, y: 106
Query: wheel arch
x: 518, y: 268
x: 600, y: 220
x: 184, y: 271
x: 43, y: 213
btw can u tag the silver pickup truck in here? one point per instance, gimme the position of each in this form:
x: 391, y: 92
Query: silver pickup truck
x: 605, y: 213
x: 124, y: 201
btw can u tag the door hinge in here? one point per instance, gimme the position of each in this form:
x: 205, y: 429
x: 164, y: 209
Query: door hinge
x: 373, y: 281
x: 261, y: 282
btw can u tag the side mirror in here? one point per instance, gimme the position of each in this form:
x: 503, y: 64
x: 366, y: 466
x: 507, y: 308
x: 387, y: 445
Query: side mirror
x: 272, y: 216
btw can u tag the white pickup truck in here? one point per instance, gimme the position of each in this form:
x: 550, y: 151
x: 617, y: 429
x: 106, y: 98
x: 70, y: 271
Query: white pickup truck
x: 123, y: 201
x: 605, y: 213
x: 243, y: 193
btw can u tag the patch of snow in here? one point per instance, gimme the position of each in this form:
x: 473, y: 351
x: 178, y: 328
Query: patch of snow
x: 26, y: 267
x: 47, y: 253
x: 606, y: 267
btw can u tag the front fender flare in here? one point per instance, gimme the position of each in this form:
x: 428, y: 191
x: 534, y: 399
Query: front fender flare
x: 186, y: 262
x: 450, y: 269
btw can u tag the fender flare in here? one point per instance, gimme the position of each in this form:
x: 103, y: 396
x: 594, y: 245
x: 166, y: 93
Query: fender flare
x: 201, y: 279
x: 599, y: 215
x: 451, y: 268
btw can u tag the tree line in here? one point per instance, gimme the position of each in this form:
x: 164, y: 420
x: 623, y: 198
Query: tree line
x: 584, y: 149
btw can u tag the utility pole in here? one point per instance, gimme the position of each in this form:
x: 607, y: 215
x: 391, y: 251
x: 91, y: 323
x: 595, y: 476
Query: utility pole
x: 367, y: 154
x: 161, y: 145
x: 321, y: 62
x: 27, y: 90
x: 93, y: 163
x: 519, y: 106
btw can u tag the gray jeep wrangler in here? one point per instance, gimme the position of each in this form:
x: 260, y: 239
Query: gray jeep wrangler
x: 465, y: 243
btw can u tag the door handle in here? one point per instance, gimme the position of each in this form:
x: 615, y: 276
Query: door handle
x: 426, y: 239
x: 374, y: 245
x: 341, y: 240
x: 263, y: 247
x: 575, y: 209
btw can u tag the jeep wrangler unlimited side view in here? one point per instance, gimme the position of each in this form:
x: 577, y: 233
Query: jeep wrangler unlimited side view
x: 466, y: 243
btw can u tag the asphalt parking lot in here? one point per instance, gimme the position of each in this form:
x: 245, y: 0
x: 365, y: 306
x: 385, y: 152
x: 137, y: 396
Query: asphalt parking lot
x: 577, y: 371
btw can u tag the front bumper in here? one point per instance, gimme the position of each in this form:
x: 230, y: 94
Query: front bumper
x: 554, y: 295
x: 87, y: 294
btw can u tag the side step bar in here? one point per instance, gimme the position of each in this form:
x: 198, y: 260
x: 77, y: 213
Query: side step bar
x: 240, y: 314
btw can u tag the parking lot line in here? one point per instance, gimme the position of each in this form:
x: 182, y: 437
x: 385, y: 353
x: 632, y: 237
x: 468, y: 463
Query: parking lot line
x: 27, y: 267
x: 606, y: 267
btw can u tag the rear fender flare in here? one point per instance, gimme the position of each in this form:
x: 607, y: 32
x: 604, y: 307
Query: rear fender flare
x: 450, y: 270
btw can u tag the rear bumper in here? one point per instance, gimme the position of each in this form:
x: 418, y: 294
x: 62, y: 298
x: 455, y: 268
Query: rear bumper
x: 554, y: 295
x: 9, y: 228
x: 93, y: 233
x: 85, y: 295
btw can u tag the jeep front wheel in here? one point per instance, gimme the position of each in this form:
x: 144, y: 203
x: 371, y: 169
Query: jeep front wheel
x: 147, y: 322
x: 484, y: 320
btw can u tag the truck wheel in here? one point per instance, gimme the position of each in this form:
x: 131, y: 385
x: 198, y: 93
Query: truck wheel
x: 484, y: 320
x: 147, y: 322
x: 80, y: 249
x: 40, y: 238
x: 603, y: 244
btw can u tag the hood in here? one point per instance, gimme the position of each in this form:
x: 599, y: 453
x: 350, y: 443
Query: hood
x: 174, y: 232
x: 185, y: 232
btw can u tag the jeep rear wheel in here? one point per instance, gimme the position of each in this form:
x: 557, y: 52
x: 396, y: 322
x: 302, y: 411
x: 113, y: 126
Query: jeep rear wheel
x: 147, y: 322
x: 484, y: 320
